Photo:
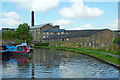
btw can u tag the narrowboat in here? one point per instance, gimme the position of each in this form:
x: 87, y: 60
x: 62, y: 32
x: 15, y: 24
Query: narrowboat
x: 4, y: 50
x: 28, y: 47
x: 18, y: 50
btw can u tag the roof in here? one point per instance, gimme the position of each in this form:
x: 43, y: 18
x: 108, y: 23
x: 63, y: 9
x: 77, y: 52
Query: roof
x: 54, y: 30
x: 117, y: 31
x: 72, y: 30
x: 37, y: 26
x: 80, y: 33
x: 41, y: 25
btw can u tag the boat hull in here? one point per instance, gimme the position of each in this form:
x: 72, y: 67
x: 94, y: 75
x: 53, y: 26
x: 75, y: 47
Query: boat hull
x: 23, y: 53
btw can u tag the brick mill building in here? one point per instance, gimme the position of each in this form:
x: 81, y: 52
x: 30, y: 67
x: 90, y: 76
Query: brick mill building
x: 77, y: 38
x: 37, y: 31
x: 84, y: 38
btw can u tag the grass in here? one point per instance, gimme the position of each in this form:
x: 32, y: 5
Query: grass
x: 104, y: 57
x: 100, y: 50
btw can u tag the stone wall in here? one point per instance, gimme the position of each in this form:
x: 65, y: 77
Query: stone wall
x: 37, y: 32
x: 101, y: 39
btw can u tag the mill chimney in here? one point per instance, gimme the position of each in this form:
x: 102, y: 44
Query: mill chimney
x: 32, y: 23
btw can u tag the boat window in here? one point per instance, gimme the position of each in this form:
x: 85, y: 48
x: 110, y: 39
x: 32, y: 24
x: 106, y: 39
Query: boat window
x: 20, y: 48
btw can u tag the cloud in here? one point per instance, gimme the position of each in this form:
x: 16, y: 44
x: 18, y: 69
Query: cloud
x: 87, y: 26
x: 113, y: 26
x: 79, y: 10
x: 63, y: 23
x: 11, y: 19
x: 39, y: 5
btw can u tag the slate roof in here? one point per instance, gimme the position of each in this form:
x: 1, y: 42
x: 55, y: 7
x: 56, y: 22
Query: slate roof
x: 41, y: 25
x: 72, y: 30
x: 54, y: 30
x: 80, y: 33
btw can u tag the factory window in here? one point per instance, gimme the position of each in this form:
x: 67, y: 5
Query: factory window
x: 51, y: 33
x: 44, y: 33
x: 108, y: 44
x: 89, y: 44
x: 85, y: 44
x: 67, y: 39
x: 47, y: 33
x: 58, y: 33
x: 38, y: 32
x: 81, y: 43
x: 43, y: 36
x: 102, y: 44
x: 62, y: 32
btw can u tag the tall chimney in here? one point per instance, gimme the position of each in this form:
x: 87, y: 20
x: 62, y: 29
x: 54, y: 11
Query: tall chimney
x: 32, y: 23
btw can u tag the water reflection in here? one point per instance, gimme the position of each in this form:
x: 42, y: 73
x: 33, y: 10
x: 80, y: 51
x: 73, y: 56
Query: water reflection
x: 50, y: 63
x: 15, y: 66
x: 58, y: 64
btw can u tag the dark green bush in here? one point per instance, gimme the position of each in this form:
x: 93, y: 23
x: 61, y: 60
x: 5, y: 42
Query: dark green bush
x: 41, y: 44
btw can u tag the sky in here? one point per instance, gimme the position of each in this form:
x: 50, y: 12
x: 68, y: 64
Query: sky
x: 69, y: 14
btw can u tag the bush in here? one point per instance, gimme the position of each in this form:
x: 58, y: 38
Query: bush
x: 41, y: 44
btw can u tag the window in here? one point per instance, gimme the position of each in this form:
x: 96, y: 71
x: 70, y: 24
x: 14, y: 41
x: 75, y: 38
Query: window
x: 43, y: 36
x: 89, y: 44
x: 102, y: 44
x: 67, y: 39
x: 63, y: 40
x: 58, y: 33
x: 108, y: 44
x: 51, y: 33
x: 85, y: 44
x: 81, y: 43
x: 47, y: 33
x: 66, y: 33
x: 44, y: 33
x: 62, y: 32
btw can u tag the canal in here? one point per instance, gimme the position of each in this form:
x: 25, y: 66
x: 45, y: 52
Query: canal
x: 51, y: 63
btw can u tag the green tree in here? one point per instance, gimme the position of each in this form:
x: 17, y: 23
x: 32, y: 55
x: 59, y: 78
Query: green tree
x: 23, y: 33
x: 116, y: 40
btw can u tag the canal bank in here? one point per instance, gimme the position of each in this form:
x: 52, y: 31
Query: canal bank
x: 108, y: 59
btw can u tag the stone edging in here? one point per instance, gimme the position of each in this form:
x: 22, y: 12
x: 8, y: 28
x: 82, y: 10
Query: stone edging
x: 112, y: 64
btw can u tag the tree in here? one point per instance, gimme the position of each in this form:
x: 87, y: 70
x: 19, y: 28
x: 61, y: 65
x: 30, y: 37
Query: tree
x: 23, y: 33
x: 116, y: 40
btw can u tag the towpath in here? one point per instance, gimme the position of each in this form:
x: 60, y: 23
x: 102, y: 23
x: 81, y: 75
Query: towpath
x: 103, y: 53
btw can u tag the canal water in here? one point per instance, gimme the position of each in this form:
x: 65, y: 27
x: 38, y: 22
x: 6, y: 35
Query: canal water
x: 50, y: 63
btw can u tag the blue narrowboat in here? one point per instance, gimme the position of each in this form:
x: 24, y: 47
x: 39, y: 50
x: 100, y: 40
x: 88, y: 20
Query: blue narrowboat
x: 18, y: 50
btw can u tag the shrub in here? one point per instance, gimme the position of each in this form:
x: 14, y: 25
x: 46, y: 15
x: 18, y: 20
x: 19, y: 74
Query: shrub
x: 41, y: 44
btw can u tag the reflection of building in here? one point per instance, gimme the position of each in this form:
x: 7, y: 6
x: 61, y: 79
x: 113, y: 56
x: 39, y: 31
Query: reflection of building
x: 88, y: 38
